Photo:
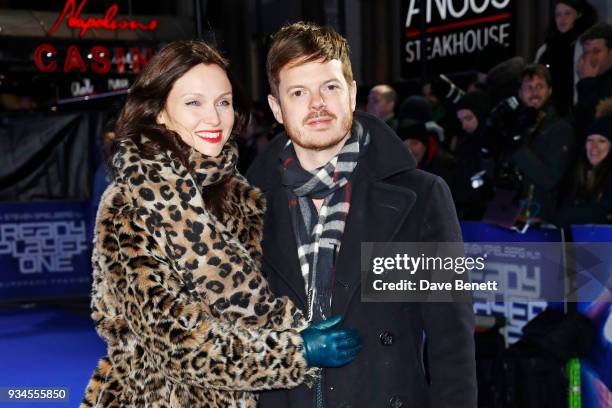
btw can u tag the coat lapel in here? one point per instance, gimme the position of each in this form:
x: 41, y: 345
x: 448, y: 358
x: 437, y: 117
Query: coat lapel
x: 279, y: 246
x: 378, y: 211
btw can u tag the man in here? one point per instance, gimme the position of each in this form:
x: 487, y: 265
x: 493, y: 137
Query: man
x: 594, y: 69
x: 334, y: 181
x: 547, y: 146
x: 381, y: 103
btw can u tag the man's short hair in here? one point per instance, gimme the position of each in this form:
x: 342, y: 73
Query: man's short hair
x: 302, y: 42
x: 386, y: 92
x: 538, y: 70
x: 598, y: 31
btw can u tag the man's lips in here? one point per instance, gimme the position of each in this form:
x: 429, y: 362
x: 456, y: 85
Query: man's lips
x: 210, y: 136
x: 322, y: 120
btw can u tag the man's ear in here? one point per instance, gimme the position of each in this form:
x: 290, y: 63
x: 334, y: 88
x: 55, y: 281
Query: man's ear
x: 276, y: 109
x: 353, y: 95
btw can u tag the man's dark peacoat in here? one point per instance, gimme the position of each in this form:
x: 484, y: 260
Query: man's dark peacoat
x: 391, y: 200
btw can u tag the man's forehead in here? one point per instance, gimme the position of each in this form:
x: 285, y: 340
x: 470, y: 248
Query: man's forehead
x: 465, y: 112
x: 303, y: 71
x: 595, y: 43
x: 532, y: 79
x: 301, y: 62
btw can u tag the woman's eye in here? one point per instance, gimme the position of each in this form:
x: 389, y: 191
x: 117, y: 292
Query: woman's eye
x: 192, y: 103
x: 225, y: 103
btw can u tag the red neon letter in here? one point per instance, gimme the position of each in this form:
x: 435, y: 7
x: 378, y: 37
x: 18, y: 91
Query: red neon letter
x: 139, y: 60
x: 120, y: 60
x: 74, y: 60
x: 43, y: 50
x: 101, y: 60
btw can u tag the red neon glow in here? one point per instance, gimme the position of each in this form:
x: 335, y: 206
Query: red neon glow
x: 44, y: 49
x: 101, y: 62
x: 108, y: 22
x: 45, y: 58
x: 120, y: 60
x: 139, y: 60
x: 74, y: 60
x: 474, y: 21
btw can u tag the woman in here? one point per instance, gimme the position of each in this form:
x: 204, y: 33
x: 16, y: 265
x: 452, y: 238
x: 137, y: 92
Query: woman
x: 562, y: 49
x: 589, y: 199
x: 177, y: 293
x: 470, y: 191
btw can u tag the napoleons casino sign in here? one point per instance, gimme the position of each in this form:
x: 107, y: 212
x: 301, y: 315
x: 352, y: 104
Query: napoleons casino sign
x: 452, y: 35
x: 93, y: 60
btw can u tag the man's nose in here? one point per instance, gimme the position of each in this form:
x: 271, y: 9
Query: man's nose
x: 316, y: 101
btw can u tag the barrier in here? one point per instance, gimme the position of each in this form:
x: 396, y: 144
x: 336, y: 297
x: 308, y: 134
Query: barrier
x: 527, y: 265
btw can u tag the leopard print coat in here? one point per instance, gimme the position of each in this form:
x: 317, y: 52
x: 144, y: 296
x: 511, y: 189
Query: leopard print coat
x: 178, y: 295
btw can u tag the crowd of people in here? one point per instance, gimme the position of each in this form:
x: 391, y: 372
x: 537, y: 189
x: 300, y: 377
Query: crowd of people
x: 532, y: 137
x: 535, y: 143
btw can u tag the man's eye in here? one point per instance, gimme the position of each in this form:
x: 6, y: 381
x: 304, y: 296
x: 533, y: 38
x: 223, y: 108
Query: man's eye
x: 297, y: 93
x: 332, y: 87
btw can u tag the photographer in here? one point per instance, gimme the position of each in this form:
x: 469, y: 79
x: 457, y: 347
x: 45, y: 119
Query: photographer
x: 536, y: 143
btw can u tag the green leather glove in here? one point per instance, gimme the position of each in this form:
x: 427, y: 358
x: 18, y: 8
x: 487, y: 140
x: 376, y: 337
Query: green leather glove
x: 325, y: 346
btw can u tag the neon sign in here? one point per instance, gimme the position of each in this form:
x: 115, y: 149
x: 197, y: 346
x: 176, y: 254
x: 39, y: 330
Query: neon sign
x: 45, y: 58
x: 108, y: 22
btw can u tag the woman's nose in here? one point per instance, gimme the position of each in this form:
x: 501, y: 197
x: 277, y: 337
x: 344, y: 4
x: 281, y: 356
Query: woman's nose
x: 210, y: 115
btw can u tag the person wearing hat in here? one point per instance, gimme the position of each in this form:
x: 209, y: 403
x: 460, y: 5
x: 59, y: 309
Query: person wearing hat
x: 423, y: 144
x: 589, y: 196
x: 561, y: 51
x: 470, y: 198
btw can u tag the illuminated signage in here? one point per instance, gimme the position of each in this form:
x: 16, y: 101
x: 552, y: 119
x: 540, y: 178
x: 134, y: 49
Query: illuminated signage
x: 108, y: 22
x: 100, y: 57
x: 450, y: 34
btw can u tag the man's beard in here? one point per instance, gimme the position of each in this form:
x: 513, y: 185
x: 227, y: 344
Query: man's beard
x: 321, y: 145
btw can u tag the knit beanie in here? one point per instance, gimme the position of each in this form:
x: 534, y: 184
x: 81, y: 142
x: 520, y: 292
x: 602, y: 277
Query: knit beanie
x: 477, y: 102
x: 602, y: 125
x: 412, y: 129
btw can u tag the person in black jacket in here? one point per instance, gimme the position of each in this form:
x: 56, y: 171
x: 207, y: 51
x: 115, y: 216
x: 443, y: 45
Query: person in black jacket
x: 470, y: 196
x: 546, y: 148
x: 589, y: 199
x: 335, y: 179
x: 561, y: 50
x: 426, y: 149
x: 595, y: 72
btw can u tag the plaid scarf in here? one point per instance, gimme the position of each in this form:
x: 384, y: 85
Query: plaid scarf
x: 318, y: 236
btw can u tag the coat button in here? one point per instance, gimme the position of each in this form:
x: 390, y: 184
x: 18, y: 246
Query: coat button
x: 386, y: 338
x: 395, y: 402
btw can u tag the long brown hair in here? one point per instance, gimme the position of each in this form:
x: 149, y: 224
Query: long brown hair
x: 147, y: 97
x: 590, y: 181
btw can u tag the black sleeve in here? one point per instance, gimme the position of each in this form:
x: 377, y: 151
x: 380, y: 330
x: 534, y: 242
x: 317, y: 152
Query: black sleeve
x: 449, y: 327
x: 584, y: 111
x: 546, y: 169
